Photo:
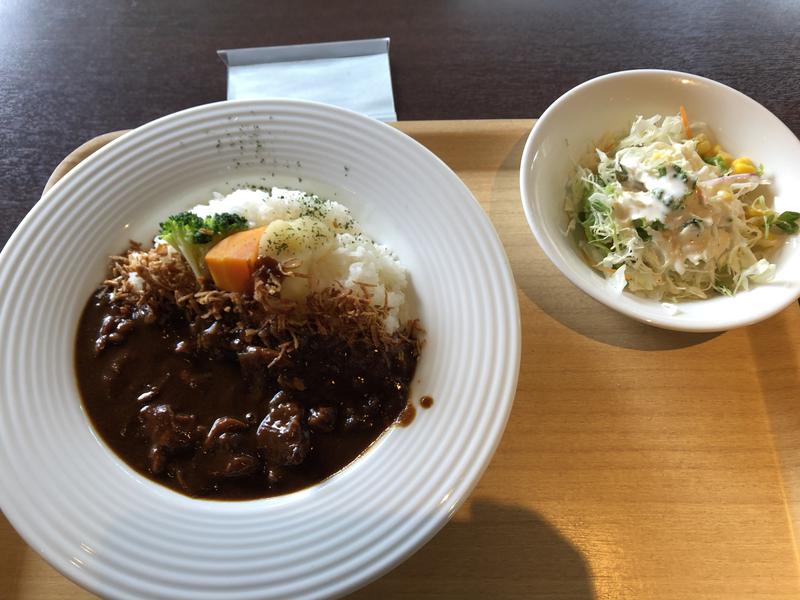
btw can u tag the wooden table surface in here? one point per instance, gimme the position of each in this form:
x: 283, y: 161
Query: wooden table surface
x: 637, y: 462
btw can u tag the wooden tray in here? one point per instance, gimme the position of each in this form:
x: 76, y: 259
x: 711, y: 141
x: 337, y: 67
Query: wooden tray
x: 637, y: 463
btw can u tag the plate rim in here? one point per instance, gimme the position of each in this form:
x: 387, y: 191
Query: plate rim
x: 505, y: 397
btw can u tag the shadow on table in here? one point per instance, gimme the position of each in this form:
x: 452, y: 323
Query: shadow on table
x: 546, y: 287
x: 500, y: 552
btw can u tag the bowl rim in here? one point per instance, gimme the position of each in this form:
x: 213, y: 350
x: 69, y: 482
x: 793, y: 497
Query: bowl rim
x: 724, y: 323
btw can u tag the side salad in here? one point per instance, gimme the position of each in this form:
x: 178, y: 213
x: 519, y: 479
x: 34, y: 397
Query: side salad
x: 668, y: 214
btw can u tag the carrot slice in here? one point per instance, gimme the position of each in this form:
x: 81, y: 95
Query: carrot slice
x: 233, y: 260
x: 685, y: 120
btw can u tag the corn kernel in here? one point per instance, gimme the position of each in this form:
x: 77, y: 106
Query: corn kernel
x: 703, y: 147
x: 743, y: 165
x: 718, y: 151
x: 752, y: 211
x: 725, y: 195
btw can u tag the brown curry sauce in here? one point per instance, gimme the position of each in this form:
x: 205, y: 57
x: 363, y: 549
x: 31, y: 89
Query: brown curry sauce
x: 218, y: 424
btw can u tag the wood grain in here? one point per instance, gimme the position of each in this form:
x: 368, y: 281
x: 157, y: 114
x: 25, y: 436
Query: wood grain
x: 637, y: 463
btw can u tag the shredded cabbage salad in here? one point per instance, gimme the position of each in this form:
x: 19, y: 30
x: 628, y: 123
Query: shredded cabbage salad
x: 668, y: 215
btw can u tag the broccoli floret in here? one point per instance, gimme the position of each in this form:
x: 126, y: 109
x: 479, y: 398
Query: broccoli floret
x: 194, y: 236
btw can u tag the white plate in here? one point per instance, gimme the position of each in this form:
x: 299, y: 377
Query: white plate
x: 570, y: 128
x: 121, y: 535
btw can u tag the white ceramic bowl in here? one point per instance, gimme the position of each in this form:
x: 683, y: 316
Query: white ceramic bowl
x: 121, y: 535
x: 569, y: 129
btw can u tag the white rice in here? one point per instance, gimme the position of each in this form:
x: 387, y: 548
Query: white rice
x: 350, y: 258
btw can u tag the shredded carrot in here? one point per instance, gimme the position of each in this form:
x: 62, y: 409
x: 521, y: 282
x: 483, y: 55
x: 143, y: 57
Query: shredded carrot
x: 685, y: 120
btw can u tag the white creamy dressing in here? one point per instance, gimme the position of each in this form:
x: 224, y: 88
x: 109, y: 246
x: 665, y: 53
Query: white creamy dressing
x: 661, y: 222
x: 689, y: 235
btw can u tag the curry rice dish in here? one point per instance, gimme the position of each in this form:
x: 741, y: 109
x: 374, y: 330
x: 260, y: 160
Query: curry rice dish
x: 260, y: 345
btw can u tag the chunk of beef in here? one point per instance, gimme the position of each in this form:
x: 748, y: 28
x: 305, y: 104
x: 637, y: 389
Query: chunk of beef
x: 113, y: 330
x: 211, y: 338
x: 322, y: 418
x: 254, y: 362
x: 282, y: 437
x: 221, y: 426
x: 240, y: 465
x: 166, y: 431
